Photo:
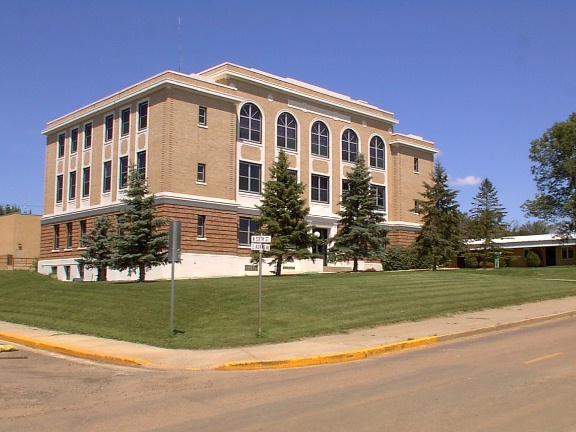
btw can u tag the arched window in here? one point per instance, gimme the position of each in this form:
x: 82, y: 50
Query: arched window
x: 250, y: 122
x: 286, y: 131
x: 320, y: 139
x: 377, y: 152
x: 349, y: 145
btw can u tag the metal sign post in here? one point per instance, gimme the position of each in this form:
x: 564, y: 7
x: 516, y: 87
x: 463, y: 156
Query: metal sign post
x: 174, y: 235
x: 260, y: 243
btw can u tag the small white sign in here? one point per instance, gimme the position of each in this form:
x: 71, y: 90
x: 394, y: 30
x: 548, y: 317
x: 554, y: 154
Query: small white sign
x: 261, y: 239
x: 260, y: 246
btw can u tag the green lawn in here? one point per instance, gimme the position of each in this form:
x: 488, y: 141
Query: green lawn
x: 214, y: 313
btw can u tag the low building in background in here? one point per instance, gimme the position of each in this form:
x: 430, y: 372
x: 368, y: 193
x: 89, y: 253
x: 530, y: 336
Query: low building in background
x: 19, y: 241
x: 205, y: 143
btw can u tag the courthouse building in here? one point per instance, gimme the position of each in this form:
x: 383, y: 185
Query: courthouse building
x: 205, y: 143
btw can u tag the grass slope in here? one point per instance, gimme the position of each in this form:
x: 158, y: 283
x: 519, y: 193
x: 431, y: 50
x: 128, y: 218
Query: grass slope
x: 214, y: 313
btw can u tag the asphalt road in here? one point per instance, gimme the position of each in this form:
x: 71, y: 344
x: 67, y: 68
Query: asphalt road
x: 517, y: 380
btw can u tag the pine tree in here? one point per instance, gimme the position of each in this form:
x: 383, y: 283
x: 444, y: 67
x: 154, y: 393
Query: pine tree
x: 97, y: 243
x: 487, y: 217
x: 139, y: 245
x: 360, y: 233
x: 283, y: 216
x: 440, y: 236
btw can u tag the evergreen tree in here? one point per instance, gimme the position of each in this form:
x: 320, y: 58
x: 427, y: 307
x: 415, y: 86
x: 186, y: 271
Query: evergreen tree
x: 487, y: 217
x: 283, y: 216
x: 8, y: 209
x: 440, y: 236
x: 360, y: 233
x: 97, y: 243
x: 139, y: 245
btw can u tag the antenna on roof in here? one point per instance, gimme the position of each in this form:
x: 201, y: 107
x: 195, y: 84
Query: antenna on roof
x: 179, y: 47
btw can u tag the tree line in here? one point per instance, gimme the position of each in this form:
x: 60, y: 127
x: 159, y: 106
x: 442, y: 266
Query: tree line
x: 139, y: 243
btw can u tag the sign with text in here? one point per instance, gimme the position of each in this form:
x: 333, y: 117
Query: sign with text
x: 261, y: 239
x: 260, y: 246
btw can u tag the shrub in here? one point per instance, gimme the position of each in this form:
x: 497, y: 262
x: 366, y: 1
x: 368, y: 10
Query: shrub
x: 398, y: 258
x: 470, y: 260
x: 532, y: 259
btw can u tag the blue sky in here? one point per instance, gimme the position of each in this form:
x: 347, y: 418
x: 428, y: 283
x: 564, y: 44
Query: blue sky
x: 481, y: 79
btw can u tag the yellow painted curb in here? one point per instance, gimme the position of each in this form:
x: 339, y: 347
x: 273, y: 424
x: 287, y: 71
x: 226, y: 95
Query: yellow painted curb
x: 328, y: 358
x: 75, y: 352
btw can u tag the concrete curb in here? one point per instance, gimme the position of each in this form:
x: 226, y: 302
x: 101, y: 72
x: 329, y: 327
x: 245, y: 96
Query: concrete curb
x: 75, y: 352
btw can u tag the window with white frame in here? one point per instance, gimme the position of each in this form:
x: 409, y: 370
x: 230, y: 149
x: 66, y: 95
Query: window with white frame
x: 201, y: 173
x: 320, y: 188
x: 69, y: 235
x: 85, y: 181
x: 349, y: 145
x: 59, y: 188
x: 202, y: 116
x: 83, y: 234
x: 249, y: 177
x: 56, y: 245
x: 109, y: 128
x: 74, y: 140
x: 286, y: 131
x: 250, y: 127
x: 87, y: 135
x: 72, y: 186
x: 125, y: 122
x: 123, y: 172
x: 107, y: 177
x: 320, y: 139
x: 200, y: 227
x: 246, y: 229
x: 141, y: 163
x: 380, y: 196
x: 142, y: 115
x: 377, y: 152
x: 61, y: 144
x: 416, y: 165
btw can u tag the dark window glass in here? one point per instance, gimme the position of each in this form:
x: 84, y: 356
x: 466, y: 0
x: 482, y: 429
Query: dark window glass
x: 69, y: 235
x: 107, y: 177
x: 286, y: 131
x: 377, y: 152
x: 125, y: 122
x: 201, y: 173
x: 202, y: 116
x: 56, y: 237
x: 379, y: 196
x: 141, y: 163
x: 246, y: 229
x: 86, y: 181
x: 320, y: 139
x: 142, y: 115
x: 349, y: 145
x: 72, y: 185
x: 123, y: 175
x: 249, y: 177
x: 109, y: 128
x: 250, y: 122
x: 416, y: 165
x: 200, y: 226
x: 59, y: 188
x: 88, y: 135
x: 74, y: 141
x: 320, y: 188
x: 83, y: 233
x: 61, y: 144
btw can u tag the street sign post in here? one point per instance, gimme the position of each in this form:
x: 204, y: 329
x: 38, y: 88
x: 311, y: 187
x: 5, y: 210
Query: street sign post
x: 174, y: 241
x: 260, y: 243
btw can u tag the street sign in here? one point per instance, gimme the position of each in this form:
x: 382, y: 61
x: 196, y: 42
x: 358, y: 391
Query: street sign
x: 260, y: 246
x: 261, y: 239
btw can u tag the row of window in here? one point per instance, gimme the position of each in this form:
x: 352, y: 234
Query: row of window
x: 69, y: 226
x: 249, y: 180
x: 250, y: 129
x: 123, y: 165
x: 142, y: 122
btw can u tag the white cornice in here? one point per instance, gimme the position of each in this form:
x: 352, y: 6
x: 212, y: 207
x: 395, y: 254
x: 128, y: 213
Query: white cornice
x: 401, y: 142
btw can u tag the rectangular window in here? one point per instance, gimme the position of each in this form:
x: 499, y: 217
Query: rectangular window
x: 59, y: 188
x: 246, y: 229
x: 293, y: 173
x: 567, y: 253
x: 56, y: 245
x: 88, y: 135
x: 380, y: 196
x: 320, y: 188
x: 345, y: 188
x: 72, y: 186
x: 83, y: 233
x: 107, y: 177
x: 416, y: 206
x: 69, y: 235
x: 142, y: 116
x: 249, y: 177
x: 125, y: 122
x: 61, y: 144
x: 74, y: 141
x: 141, y: 163
x: 200, y: 227
x: 416, y: 165
x: 202, y: 116
x: 201, y: 173
x: 109, y: 128
x: 123, y: 174
x: 86, y: 181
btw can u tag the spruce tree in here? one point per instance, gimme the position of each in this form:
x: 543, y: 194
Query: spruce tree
x: 140, y: 243
x: 487, y: 217
x: 360, y: 233
x: 283, y: 214
x: 440, y: 236
x: 97, y: 242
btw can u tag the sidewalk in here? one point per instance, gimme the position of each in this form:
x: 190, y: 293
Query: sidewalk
x: 353, y: 345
